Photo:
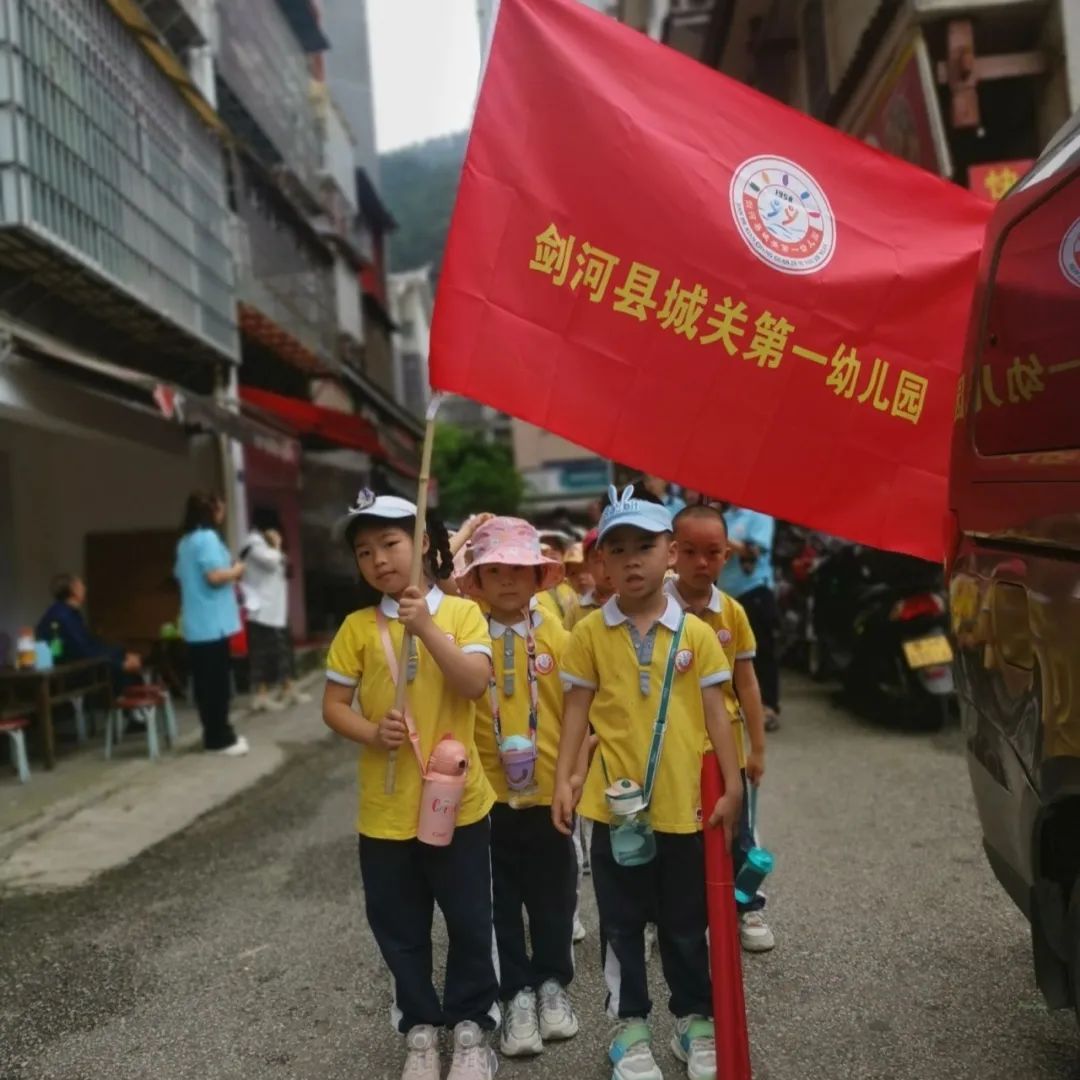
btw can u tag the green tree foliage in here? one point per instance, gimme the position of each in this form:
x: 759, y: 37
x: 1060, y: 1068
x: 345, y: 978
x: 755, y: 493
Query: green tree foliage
x: 419, y: 184
x: 474, y: 475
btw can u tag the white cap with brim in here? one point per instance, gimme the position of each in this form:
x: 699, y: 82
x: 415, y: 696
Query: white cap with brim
x: 625, y: 510
x: 370, y: 505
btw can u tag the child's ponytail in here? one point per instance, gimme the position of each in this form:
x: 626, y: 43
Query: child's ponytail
x: 440, y: 561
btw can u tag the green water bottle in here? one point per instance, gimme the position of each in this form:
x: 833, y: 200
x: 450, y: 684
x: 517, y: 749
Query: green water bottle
x: 56, y: 643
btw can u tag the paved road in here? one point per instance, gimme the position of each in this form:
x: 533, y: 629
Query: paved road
x: 238, y: 950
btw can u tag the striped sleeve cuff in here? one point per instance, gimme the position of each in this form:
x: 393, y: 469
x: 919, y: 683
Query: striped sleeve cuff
x: 745, y: 655
x: 341, y: 680
x: 716, y: 679
x: 575, y: 680
x: 479, y: 650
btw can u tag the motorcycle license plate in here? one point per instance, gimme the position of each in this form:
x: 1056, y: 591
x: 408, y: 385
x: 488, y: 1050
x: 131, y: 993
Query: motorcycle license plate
x: 928, y: 651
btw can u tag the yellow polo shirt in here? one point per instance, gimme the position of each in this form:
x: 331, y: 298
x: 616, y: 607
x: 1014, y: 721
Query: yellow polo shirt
x: 558, y: 601
x: 602, y: 657
x: 582, y: 605
x: 357, y: 658
x: 551, y: 641
x: 727, y: 618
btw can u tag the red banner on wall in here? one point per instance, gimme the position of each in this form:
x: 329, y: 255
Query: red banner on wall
x: 681, y: 274
x: 996, y: 179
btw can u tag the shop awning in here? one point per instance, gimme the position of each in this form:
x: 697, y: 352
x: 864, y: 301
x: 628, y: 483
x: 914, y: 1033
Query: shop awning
x: 144, y: 393
x: 344, y: 429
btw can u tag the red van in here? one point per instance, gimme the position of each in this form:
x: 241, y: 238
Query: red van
x: 1014, y: 556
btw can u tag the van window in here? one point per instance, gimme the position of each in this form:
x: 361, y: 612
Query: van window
x: 1026, y: 383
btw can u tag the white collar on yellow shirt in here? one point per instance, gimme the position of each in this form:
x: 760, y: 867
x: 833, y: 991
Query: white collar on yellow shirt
x: 615, y: 616
x: 497, y: 629
x: 716, y: 597
x: 389, y: 606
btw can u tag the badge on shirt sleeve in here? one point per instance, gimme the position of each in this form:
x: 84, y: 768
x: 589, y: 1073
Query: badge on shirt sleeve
x: 545, y: 663
x: 684, y: 658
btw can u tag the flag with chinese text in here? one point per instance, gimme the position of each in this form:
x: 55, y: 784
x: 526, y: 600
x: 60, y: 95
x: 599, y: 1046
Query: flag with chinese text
x: 683, y: 275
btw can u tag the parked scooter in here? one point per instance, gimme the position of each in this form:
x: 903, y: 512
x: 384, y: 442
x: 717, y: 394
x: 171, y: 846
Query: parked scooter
x: 878, y: 622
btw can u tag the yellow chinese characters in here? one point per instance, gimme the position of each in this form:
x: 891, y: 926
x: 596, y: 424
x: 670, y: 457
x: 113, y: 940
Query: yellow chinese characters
x: 687, y: 311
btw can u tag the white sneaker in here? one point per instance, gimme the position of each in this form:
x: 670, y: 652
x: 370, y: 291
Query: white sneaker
x: 557, y: 1017
x: 520, y: 1027
x: 473, y: 1058
x: 754, y: 932
x: 579, y: 930
x: 238, y: 748
x: 298, y: 697
x: 421, y: 1054
x: 631, y: 1053
x: 694, y: 1042
x: 265, y: 703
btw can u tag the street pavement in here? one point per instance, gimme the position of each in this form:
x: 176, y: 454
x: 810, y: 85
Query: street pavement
x: 237, y: 948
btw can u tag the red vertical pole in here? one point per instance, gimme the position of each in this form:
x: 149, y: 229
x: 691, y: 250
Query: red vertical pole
x: 725, y: 951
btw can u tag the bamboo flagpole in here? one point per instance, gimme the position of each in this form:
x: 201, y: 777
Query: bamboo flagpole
x: 416, y: 574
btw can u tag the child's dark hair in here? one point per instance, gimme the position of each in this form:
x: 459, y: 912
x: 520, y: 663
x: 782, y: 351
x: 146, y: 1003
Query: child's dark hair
x: 438, y: 562
x: 702, y: 511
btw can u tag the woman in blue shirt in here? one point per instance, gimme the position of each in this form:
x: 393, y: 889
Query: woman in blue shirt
x: 210, y: 616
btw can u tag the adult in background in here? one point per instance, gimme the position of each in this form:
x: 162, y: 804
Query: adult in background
x: 658, y: 487
x: 748, y: 576
x: 266, y: 597
x: 64, y: 627
x: 210, y: 615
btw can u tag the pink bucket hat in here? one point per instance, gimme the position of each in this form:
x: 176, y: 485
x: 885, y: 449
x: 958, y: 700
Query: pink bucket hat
x: 509, y: 541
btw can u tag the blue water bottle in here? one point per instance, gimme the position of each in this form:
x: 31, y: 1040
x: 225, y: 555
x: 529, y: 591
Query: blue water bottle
x: 759, y: 862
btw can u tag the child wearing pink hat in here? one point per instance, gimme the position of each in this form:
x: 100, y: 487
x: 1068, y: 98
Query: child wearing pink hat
x: 534, y: 868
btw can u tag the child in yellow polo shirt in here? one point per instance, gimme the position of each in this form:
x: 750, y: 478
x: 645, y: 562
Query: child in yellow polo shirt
x: 534, y: 869
x: 701, y: 551
x: 447, y: 671
x: 601, y: 588
x: 649, y: 680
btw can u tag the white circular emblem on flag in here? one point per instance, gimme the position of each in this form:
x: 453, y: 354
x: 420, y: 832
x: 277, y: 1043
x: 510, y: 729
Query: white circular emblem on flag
x: 783, y: 215
x: 1069, y: 254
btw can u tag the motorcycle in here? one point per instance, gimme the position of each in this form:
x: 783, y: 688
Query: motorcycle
x: 878, y: 622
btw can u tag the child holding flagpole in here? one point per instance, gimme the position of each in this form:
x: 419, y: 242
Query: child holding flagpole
x: 446, y: 669
x: 702, y: 549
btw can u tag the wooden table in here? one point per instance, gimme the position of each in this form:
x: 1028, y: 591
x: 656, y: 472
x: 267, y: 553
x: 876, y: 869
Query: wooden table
x: 29, y: 691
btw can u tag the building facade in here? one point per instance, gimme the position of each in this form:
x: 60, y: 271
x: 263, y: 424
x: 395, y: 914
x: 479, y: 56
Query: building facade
x: 185, y: 238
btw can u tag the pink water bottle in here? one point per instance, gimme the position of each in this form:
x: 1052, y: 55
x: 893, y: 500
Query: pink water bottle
x: 444, y: 786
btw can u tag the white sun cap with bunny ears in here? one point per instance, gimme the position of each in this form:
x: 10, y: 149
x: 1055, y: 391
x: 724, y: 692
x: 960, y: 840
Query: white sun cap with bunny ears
x: 624, y: 509
x: 368, y: 504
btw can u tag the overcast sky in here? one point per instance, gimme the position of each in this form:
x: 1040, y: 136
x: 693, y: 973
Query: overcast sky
x: 425, y: 57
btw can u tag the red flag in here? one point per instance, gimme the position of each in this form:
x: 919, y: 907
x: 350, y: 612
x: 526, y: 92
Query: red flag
x: 725, y: 948
x: 679, y: 273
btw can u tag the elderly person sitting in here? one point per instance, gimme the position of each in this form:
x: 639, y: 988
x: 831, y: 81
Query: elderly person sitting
x: 64, y: 627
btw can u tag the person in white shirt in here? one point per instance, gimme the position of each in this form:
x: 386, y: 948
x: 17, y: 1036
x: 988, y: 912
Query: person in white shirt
x: 266, y: 600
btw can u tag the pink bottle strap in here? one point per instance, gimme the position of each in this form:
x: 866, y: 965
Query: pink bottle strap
x: 391, y: 662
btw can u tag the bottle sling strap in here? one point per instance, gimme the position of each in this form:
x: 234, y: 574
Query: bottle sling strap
x: 391, y: 662
x: 530, y: 678
x: 660, y: 725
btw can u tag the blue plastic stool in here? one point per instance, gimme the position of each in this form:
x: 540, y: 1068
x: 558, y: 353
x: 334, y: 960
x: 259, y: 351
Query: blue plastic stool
x: 15, y: 729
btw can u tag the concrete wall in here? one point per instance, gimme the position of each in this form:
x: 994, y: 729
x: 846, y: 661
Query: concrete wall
x: 57, y: 487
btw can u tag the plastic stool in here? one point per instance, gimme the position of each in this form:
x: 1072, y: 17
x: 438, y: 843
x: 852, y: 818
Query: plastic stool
x: 79, y: 707
x: 115, y: 723
x: 158, y: 694
x: 15, y: 730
